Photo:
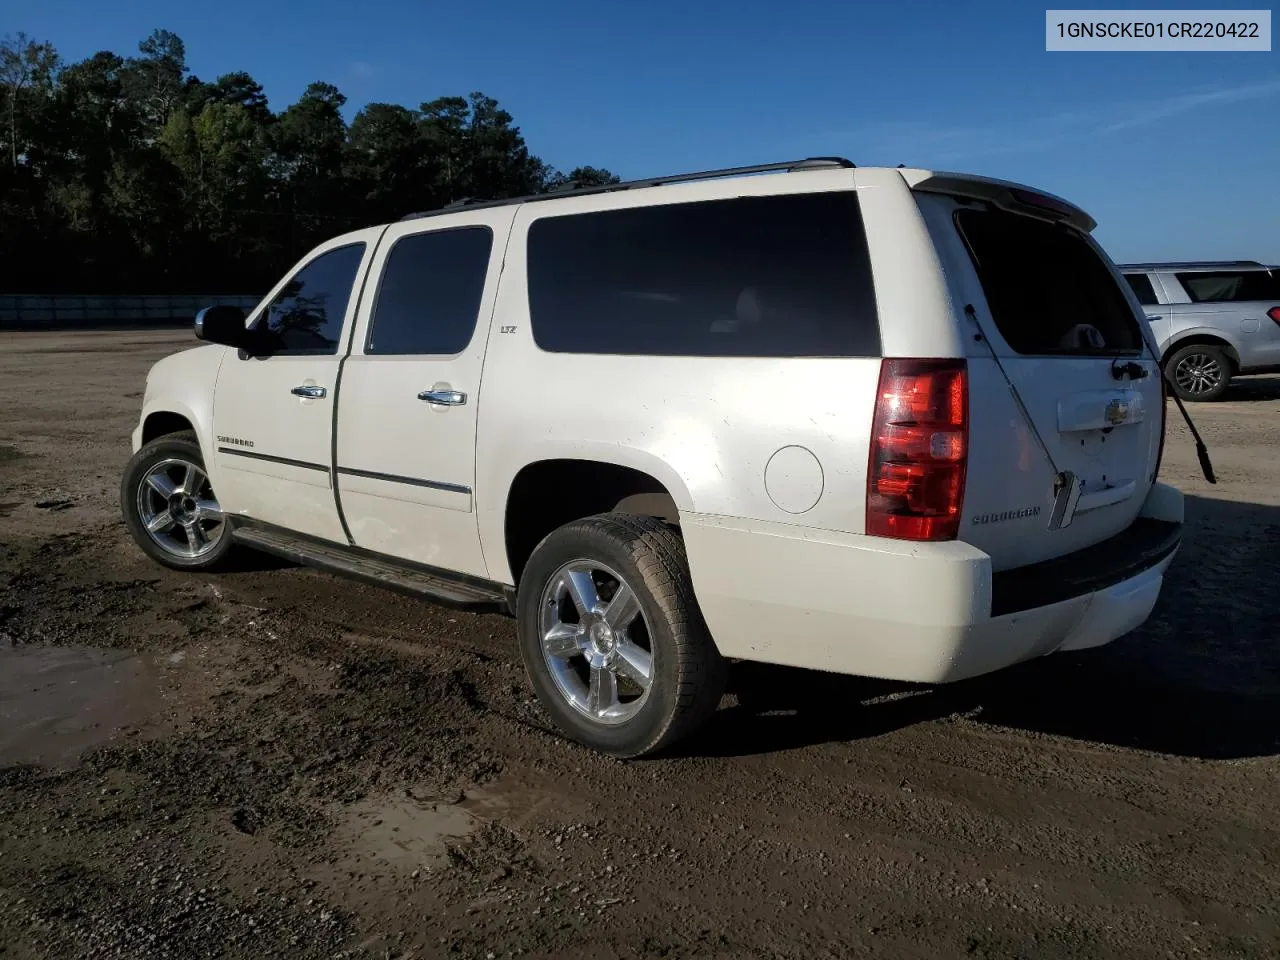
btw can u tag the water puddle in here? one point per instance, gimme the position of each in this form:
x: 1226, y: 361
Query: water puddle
x: 410, y: 832
x: 57, y: 702
x: 406, y: 832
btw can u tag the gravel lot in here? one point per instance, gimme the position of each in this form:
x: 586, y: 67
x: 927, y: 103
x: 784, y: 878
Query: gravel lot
x: 274, y: 762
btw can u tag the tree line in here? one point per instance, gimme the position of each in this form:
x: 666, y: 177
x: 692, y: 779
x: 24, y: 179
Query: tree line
x: 133, y: 175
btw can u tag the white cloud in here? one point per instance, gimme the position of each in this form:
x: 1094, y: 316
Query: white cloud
x: 919, y: 141
x: 1141, y: 114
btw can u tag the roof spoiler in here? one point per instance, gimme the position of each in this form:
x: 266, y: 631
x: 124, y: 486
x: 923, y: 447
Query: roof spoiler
x: 1196, y: 265
x: 1011, y: 196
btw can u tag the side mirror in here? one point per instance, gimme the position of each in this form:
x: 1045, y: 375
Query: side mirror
x: 222, y: 324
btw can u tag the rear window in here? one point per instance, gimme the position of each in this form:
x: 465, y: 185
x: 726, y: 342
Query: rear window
x: 1229, y: 285
x: 780, y: 276
x: 1141, y: 284
x: 1049, y: 292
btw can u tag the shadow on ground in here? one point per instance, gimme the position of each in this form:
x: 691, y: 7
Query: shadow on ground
x: 1252, y: 388
x: 1201, y: 678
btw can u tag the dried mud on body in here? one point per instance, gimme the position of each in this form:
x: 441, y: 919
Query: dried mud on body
x: 273, y: 762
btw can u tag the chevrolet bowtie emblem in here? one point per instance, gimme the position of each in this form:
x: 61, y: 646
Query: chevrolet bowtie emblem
x: 1117, y: 411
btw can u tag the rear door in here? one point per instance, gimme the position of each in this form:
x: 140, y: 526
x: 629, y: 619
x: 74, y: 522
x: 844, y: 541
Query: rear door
x: 1243, y: 304
x: 1063, y: 326
x: 406, y: 440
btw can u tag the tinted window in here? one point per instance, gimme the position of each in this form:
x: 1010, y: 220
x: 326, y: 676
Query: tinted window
x: 1231, y: 285
x: 429, y: 296
x: 1141, y: 284
x: 306, y: 315
x: 1048, y: 291
x: 780, y: 276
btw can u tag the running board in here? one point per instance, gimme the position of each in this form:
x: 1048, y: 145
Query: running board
x: 447, y: 589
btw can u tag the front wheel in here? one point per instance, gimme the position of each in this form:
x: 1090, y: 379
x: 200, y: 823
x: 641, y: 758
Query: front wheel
x: 1199, y: 371
x: 169, y: 505
x: 612, y: 637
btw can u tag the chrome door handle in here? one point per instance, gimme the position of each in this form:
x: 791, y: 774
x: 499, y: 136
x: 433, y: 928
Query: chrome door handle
x: 310, y: 392
x: 448, y: 398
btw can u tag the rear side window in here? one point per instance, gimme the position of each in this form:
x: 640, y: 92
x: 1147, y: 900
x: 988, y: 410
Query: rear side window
x: 1141, y: 284
x: 1229, y: 285
x: 430, y: 291
x: 306, y: 315
x: 780, y: 276
x: 1049, y: 292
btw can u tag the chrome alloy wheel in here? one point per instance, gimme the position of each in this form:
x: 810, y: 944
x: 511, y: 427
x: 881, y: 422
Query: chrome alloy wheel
x: 178, y: 509
x: 595, y: 640
x: 1198, y: 373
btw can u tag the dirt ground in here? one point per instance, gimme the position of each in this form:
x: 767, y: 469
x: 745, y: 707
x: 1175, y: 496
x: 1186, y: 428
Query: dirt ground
x: 274, y: 762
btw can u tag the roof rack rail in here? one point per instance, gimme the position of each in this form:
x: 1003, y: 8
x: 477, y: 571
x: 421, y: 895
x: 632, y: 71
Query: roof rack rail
x: 787, y: 166
x: 1191, y: 264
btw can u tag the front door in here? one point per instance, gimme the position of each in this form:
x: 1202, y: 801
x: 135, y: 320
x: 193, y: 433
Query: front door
x: 411, y: 388
x: 273, y: 415
x: 1160, y: 313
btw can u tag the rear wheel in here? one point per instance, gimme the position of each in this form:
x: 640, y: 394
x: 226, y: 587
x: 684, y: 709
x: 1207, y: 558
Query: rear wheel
x: 1199, y: 371
x: 169, y: 505
x: 612, y: 637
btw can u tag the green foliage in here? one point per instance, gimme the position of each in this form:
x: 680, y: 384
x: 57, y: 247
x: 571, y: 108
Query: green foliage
x: 129, y: 174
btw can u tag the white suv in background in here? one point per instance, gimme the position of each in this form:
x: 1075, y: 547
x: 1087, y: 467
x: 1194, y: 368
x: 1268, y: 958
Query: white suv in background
x: 886, y: 422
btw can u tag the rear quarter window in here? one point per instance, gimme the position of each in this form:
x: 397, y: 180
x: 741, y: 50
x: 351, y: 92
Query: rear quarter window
x: 1230, y: 285
x: 1048, y: 290
x: 779, y: 276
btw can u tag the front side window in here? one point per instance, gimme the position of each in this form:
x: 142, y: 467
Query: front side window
x: 430, y: 292
x: 306, y: 316
x: 1141, y: 284
x: 1231, y: 285
x: 776, y: 276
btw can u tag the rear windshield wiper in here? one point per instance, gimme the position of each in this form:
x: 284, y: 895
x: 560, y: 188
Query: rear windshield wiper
x: 1202, y: 452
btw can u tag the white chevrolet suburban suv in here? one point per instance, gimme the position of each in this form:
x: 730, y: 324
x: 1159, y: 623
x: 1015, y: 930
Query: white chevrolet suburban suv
x: 886, y: 422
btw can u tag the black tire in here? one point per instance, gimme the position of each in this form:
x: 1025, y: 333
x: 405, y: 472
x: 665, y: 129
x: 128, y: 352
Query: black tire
x: 178, y: 448
x: 1199, y: 371
x: 687, y: 673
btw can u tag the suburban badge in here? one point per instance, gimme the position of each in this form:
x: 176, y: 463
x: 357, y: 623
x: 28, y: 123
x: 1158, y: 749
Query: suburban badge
x: 1006, y: 515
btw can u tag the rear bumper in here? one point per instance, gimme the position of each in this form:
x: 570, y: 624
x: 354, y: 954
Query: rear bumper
x: 927, y: 613
x: 1092, y: 570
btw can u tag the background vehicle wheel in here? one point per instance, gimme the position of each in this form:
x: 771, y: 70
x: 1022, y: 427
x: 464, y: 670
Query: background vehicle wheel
x: 1199, y: 371
x: 612, y: 637
x: 169, y: 505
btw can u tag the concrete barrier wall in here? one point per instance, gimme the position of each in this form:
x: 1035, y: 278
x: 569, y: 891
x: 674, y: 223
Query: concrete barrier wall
x: 30, y: 312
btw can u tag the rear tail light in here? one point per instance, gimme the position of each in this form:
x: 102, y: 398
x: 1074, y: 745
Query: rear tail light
x: 919, y: 449
x: 1274, y: 314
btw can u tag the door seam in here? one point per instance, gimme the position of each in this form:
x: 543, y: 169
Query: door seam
x: 337, y: 388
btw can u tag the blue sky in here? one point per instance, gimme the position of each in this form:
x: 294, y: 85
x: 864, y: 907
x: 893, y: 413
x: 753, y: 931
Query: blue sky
x: 1175, y: 154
